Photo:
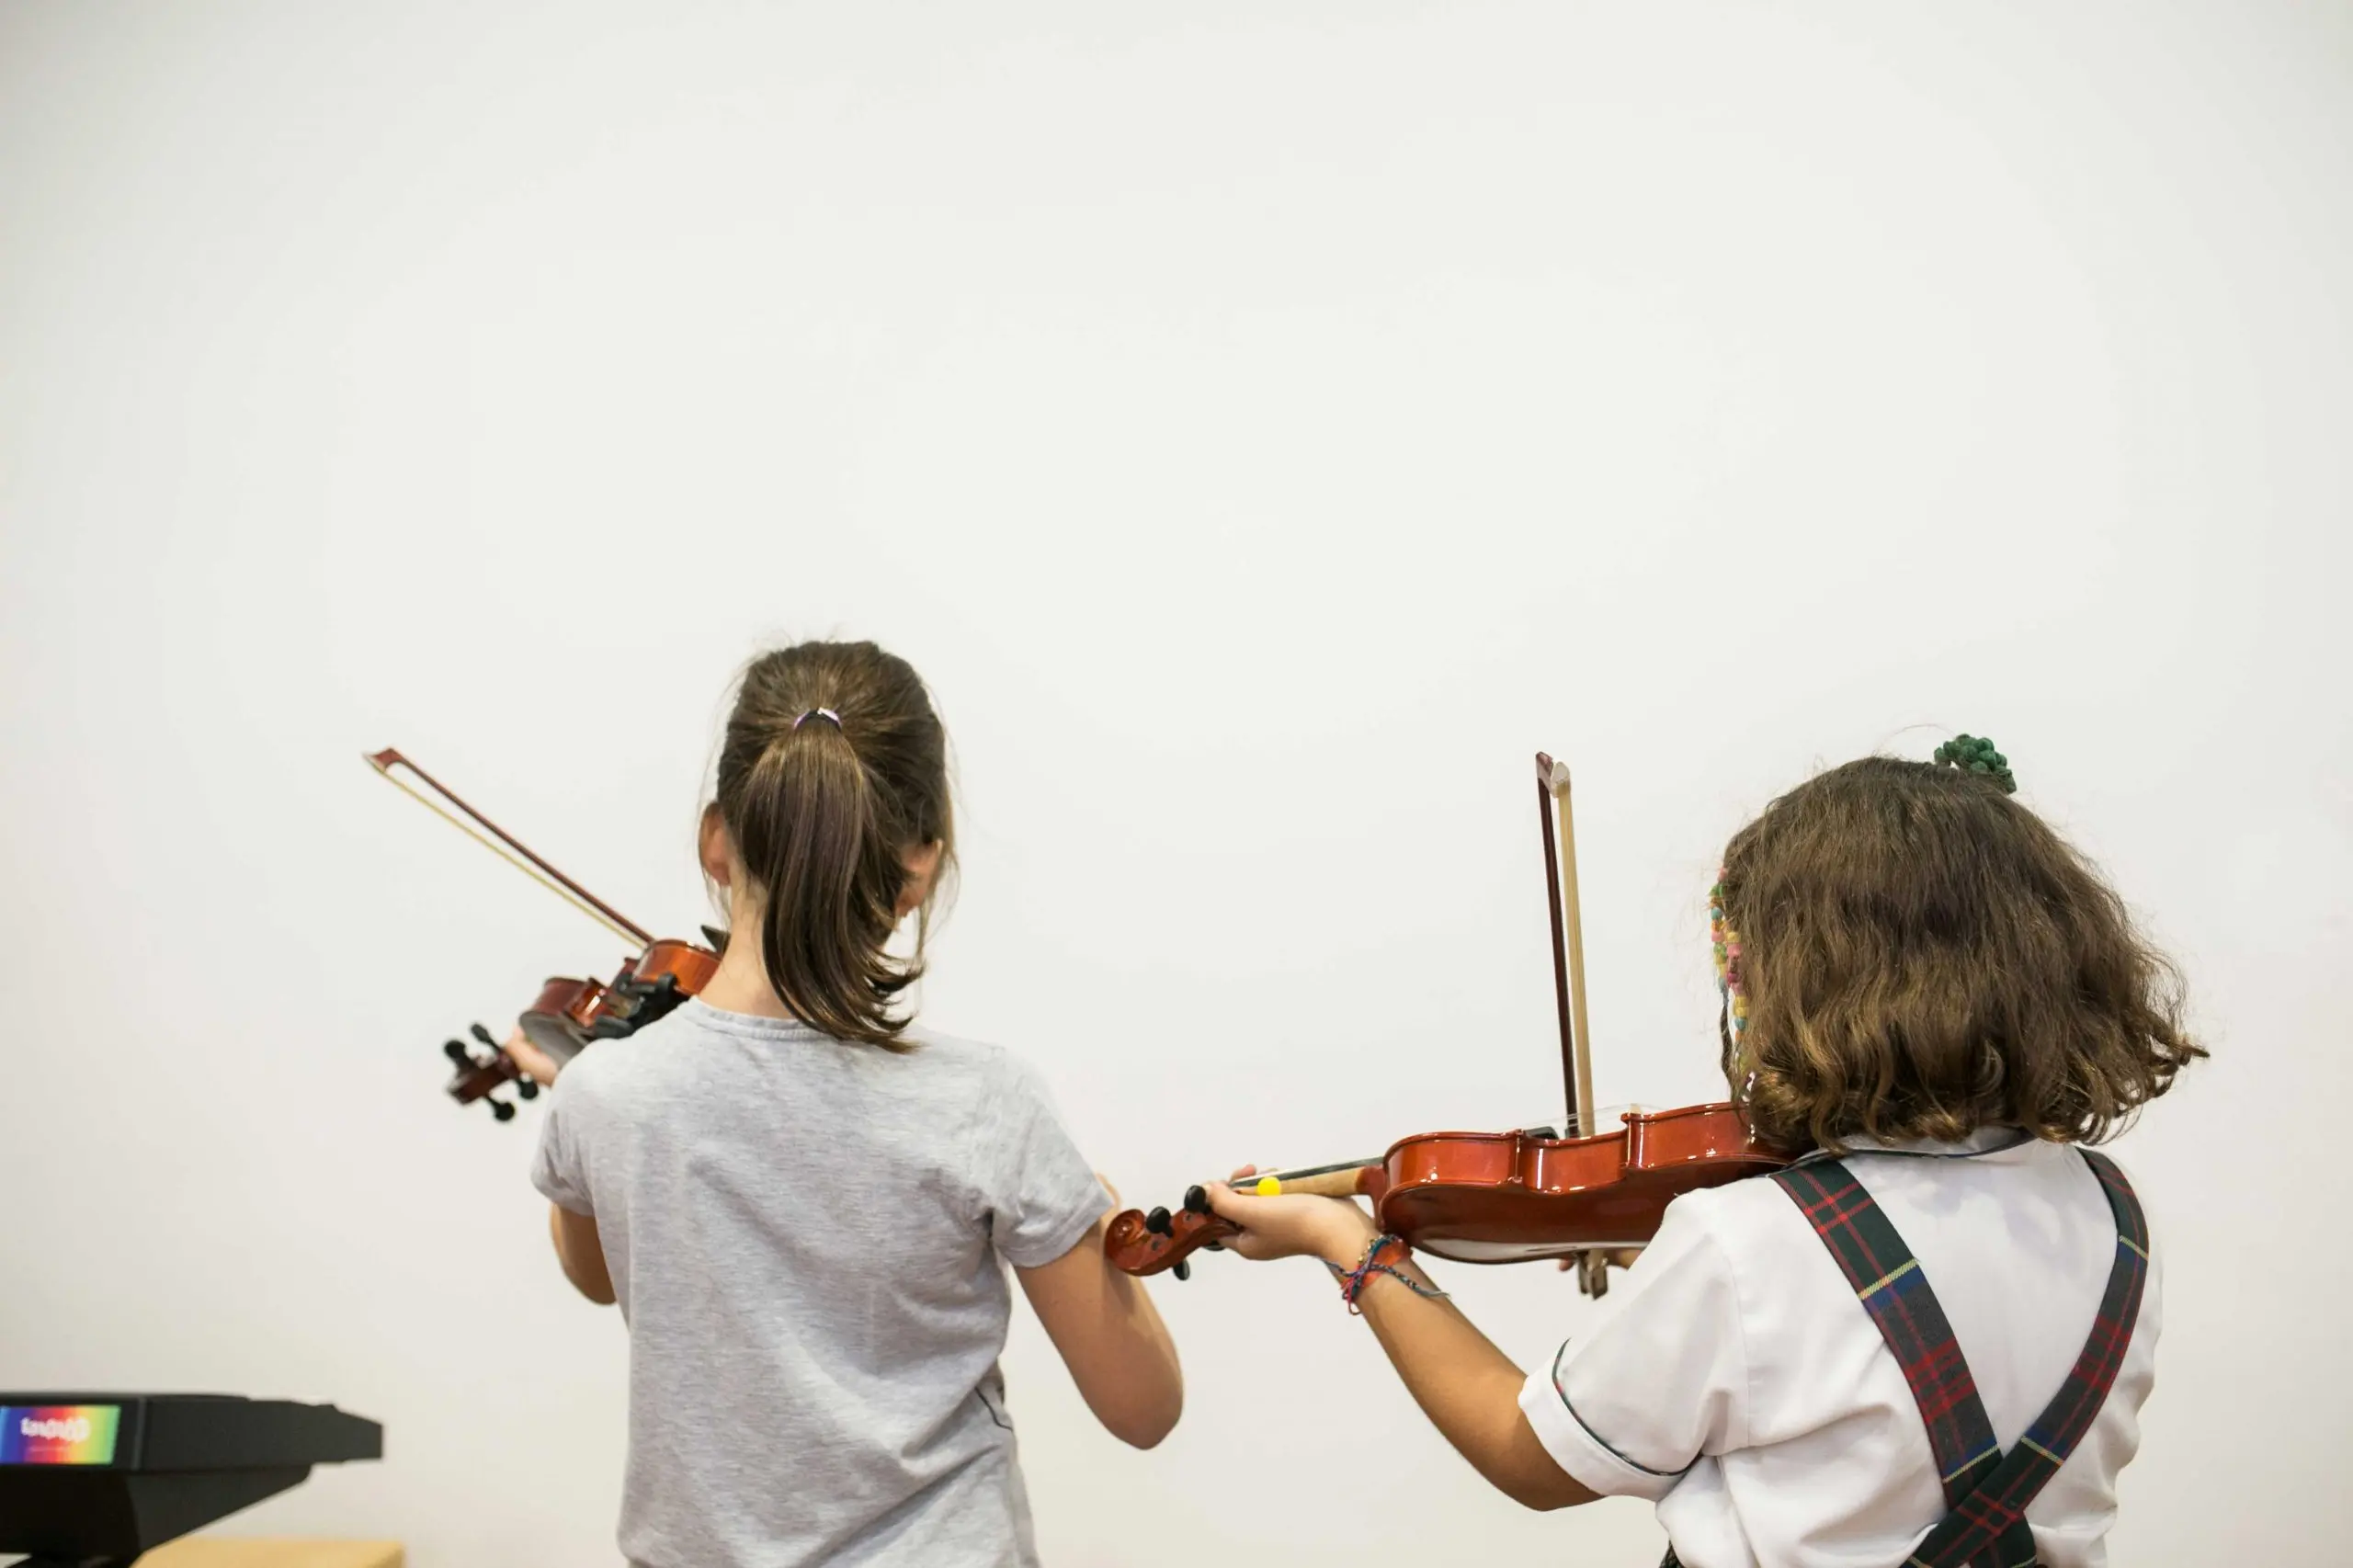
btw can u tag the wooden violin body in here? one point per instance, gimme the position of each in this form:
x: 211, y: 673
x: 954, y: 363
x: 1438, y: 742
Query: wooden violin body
x: 568, y: 1015
x: 1514, y: 1197
x: 1502, y: 1197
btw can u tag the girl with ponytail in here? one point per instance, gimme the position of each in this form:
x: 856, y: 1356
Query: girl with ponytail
x: 805, y: 1205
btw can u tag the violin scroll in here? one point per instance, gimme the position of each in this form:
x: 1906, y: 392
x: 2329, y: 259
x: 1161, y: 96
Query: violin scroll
x: 1139, y: 1243
x: 479, y: 1076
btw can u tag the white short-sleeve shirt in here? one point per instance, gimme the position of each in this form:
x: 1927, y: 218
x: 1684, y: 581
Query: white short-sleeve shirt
x: 1732, y: 1378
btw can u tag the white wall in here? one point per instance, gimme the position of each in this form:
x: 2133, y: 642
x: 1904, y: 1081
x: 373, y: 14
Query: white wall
x: 1264, y: 426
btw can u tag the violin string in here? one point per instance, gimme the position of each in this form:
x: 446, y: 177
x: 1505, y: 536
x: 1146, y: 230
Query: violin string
x: 1303, y: 1172
x: 509, y: 856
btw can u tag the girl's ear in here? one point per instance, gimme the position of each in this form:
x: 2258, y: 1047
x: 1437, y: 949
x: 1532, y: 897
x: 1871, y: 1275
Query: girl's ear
x: 718, y: 850
x: 922, y: 867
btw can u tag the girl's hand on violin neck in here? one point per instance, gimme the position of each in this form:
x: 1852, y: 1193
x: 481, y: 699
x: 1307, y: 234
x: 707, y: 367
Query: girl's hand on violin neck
x: 537, y: 1065
x: 1333, y: 1229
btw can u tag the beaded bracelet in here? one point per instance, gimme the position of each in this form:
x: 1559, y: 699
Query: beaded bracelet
x: 1354, y: 1280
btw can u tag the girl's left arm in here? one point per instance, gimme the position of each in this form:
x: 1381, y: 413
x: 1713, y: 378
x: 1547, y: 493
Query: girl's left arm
x: 1110, y: 1336
x: 578, y: 1247
x: 1468, y: 1389
x: 582, y: 1252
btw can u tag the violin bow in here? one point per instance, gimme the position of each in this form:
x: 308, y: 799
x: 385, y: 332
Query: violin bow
x: 1568, y: 941
x: 506, y: 845
x: 1568, y: 981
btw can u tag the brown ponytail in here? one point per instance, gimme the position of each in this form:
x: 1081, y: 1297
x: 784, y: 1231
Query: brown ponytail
x: 835, y: 765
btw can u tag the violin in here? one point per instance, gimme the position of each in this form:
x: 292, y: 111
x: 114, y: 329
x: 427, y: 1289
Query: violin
x: 1573, y: 1193
x: 568, y: 1013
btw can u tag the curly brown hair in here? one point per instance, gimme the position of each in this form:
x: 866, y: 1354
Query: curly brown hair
x: 1921, y: 956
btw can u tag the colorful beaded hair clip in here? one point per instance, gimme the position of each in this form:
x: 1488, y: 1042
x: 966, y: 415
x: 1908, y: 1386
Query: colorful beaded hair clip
x: 1975, y: 754
x: 1726, y: 942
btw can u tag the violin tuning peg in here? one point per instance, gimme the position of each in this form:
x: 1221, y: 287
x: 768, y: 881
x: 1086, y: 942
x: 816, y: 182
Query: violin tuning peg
x: 1197, y: 1198
x: 1183, y: 1269
x: 456, y: 1052
x: 502, y: 1109
x: 484, y: 1035
x: 1159, y: 1224
x: 527, y: 1089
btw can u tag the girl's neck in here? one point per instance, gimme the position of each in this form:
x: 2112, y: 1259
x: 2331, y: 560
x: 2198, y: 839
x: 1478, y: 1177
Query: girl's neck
x: 741, y: 985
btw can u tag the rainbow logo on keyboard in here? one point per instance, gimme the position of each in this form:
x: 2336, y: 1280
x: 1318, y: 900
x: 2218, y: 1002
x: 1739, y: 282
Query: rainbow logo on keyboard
x: 58, y: 1434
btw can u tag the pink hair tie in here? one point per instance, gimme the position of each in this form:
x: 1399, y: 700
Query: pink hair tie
x: 820, y: 713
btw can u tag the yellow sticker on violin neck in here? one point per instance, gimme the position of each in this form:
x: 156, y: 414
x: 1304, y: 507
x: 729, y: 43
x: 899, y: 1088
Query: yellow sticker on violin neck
x: 1267, y: 1186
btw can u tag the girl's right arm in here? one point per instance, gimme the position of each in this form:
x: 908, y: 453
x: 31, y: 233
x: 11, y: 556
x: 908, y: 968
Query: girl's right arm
x: 1111, y: 1338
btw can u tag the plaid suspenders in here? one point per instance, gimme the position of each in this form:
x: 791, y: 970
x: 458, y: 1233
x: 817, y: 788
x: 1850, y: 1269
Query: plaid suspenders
x: 1986, y: 1491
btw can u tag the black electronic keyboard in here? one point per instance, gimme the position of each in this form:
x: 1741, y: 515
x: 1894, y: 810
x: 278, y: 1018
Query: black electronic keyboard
x: 92, y: 1480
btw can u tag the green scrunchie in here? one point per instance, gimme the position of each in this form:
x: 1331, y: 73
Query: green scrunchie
x: 1975, y: 754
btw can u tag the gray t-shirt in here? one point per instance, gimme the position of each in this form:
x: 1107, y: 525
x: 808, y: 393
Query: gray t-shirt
x: 806, y: 1238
